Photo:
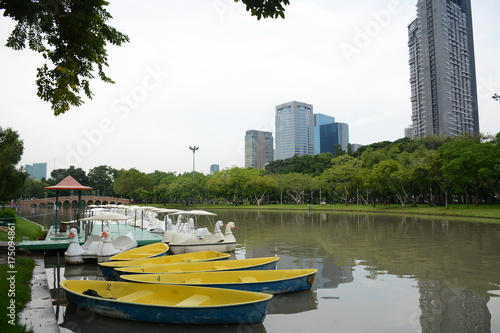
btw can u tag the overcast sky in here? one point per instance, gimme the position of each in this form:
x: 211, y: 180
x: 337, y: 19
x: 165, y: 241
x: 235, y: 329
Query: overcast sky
x: 203, y: 72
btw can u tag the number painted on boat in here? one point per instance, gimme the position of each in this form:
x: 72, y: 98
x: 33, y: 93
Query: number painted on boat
x: 108, y: 286
x: 158, y: 278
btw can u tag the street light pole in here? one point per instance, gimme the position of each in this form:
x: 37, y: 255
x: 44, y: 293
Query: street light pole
x: 194, y: 149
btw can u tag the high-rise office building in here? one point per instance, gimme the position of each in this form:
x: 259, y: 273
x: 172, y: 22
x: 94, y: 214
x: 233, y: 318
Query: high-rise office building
x: 294, y: 130
x: 333, y: 136
x: 258, y: 149
x: 214, y: 168
x: 37, y: 170
x: 328, y: 134
x: 442, y: 69
x: 320, y: 120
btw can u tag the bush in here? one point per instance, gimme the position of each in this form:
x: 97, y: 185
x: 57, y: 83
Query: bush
x: 7, y: 215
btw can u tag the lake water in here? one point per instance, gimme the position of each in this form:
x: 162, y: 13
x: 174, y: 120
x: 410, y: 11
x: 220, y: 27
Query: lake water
x: 376, y: 273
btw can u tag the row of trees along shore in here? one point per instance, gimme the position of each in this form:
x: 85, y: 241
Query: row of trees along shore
x: 433, y: 170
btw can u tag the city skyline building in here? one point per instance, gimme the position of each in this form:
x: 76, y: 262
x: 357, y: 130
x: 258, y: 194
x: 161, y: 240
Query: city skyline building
x: 442, y: 69
x: 294, y: 123
x: 320, y: 120
x: 328, y: 134
x: 214, y: 168
x: 259, y: 149
x: 37, y: 171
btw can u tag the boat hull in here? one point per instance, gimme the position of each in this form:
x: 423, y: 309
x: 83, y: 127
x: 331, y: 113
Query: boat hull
x: 224, y: 247
x: 264, y: 281
x: 143, y: 252
x: 266, y: 263
x: 109, y: 272
x: 249, y: 308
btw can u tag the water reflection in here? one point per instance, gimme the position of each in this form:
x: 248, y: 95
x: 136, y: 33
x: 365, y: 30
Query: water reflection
x: 82, y: 320
x: 439, y: 303
x: 399, y: 273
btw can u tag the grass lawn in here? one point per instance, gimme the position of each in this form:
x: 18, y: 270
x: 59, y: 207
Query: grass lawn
x: 16, y: 292
x: 23, y: 228
x: 16, y: 272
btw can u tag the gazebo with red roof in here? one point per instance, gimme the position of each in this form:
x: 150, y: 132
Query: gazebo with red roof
x: 68, y: 183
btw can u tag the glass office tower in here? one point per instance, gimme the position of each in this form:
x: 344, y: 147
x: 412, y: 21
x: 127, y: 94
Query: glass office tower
x: 294, y: 130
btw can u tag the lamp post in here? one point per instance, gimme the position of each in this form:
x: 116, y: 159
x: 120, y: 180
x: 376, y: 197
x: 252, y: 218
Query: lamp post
x: 194, y: 149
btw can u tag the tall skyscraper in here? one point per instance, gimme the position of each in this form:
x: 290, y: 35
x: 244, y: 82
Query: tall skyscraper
x: 328, y: 134
x: 294, y: 130
x: 258, y: 149
x: 37, y: 170
x: 320, y: 120
x: 214, y: 168
x: 442, y: 69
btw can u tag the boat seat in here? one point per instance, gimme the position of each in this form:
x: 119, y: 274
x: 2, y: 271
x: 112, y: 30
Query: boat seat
x: 247, y: 279
x: 193, y: 280
x: 219, y: 267
x: 142, y: 296
x: 195, y: 300
x: 174, y: 270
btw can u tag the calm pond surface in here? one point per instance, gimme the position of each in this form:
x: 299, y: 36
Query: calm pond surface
x: 376, y: 273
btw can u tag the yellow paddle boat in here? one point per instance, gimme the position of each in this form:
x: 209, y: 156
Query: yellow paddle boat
x: 264, y: 281
x: 108, y: 269
x: 172, y: 304
x: 147, y: 251
x: 265, y: 263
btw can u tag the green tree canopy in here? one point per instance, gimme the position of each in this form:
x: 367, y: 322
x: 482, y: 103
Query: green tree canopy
x: 343, y: 176
x: 101, y: 179
x: 11, y: 178
x: 72, y: 36
x: 266, y: 8
x: 59, y: 174
x: 309, y: 164
x: 132, y: 183
x: 33, y: 188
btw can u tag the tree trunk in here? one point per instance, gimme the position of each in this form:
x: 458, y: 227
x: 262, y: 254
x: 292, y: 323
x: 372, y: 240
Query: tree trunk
x: 446, y: 199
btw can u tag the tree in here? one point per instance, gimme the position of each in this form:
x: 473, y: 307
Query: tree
x: 343, y: 176
x: 295, y: 185
x: 101, y: 179
x: 33, y: 188
x: 266, y: 8
x: 468, y: 162
x: 230, y: 183
x: 11, y: 178
x: 310, y: 164
x: 185, y: 190
x: 59, y: 174
x: 258, y: 185
x: 72, y: 36
x: 132, y: 182
x: 162, y: 177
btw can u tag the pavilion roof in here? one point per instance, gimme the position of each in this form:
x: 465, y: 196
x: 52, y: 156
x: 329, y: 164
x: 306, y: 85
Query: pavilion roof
x: 68, y: 183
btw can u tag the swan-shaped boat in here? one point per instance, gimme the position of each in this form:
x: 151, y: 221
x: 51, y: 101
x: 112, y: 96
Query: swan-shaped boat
x: 189, y: 242
x: 97, y: 247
